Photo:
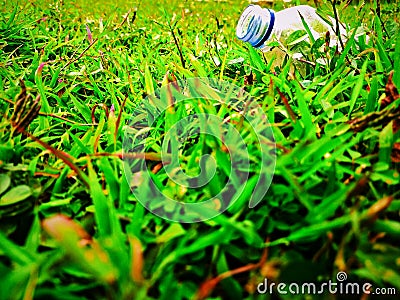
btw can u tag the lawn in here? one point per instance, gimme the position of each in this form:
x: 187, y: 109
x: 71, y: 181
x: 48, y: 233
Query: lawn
x: 147, y: 153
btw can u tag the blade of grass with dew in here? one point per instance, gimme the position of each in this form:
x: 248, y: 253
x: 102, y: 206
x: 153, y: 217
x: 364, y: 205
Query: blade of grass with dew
x: 79, y: 144
x: 281, y: 170
x: 336, y: 91
x: 245, y: 192
x: 217, y: 237
x: 60, y: 182
x: 372, y: 97
x: 33, y: 239
x: 12, y: 17
x: 54, y: 77
x: 232, y: 287
x: 386, y: 143
x: 44, y: 122
x: 223, y: 66
x: 357, y: 88
x: 97, y: 134
x: 347, y: 48
x: 111, y: 130
x: 396, y: 59
x: 306, y: 117
x: 332, y: 155
x: 328, y: 206
x: 183, y: 71
x: 201, y: 72
x: 320, y: 147
x: 83, y: 110
x: 101, y: 203
x: 96, y: 89
x: 212, y: 239
x: 110, y: 177
x: 173, y: 231
x: 387, y: 64
x: 379, y: 42
x: 16, y: 253
x: 148, y: 80
x: 307, y: 28
x: 255, y: 60
x: 252, y: 238
x: 329, y: 85
x: 312, y: 232
x: 392, y: 228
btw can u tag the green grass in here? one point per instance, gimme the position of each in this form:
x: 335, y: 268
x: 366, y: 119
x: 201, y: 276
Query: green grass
x: 70, y: 226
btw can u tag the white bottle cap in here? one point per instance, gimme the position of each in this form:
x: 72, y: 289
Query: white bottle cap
x: 255, y: 25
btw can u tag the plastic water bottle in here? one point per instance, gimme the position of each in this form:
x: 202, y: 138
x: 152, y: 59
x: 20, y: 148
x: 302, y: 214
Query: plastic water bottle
x: 260, y: 26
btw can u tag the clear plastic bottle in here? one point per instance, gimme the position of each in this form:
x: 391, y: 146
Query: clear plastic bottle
x: 258, y: 25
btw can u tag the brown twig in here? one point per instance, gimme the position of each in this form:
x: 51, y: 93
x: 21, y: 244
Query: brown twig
x: 207, y: 287
x: 103, y: 106
x: 124, y: 20
x: 65, y: 157
x: 177, y: 45
x: 83, y: 52
x: 46, y: 174
x: 119, y: 117
x: 62, y: 118
x: 337, y: 23
x: 287, y: 106
x: 153, y: 156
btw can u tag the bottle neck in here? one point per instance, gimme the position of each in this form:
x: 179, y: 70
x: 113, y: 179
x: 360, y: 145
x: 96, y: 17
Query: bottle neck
x: 255, y: 25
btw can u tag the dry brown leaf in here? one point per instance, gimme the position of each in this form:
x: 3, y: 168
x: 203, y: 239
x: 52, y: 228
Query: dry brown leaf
x: 392, y: 94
